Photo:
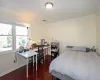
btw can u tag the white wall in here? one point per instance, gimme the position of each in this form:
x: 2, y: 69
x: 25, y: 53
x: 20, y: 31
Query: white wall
x: 38, y: 31
x: 7, y: 60
x: 98, y: 30
x: 7, y: 63
x: 77, y: 31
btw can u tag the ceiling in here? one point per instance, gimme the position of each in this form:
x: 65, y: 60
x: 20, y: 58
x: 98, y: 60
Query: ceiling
x: 34, y: 10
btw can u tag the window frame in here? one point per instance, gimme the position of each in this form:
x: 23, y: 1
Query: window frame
x: 13, y: 38
x: 7, y: 51
x: 21, y: 35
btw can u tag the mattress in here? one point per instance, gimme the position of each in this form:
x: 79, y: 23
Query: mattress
x: 77, y: 65
x: 61, y: 76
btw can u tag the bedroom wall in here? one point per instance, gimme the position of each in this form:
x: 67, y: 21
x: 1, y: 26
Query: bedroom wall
x: 7, y: 59
x: 98, y: 30
x: 37, y: 31
x: 77, y: 31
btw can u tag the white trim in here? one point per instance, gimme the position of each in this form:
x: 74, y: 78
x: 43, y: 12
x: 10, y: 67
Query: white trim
x: 4, y: 73
x: 13, y: 39
x: 6, y: 35
x: 22, y: 35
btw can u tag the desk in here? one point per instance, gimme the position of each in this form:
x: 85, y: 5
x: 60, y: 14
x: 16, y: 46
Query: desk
x: 27, y: 55
x: 32, y: 53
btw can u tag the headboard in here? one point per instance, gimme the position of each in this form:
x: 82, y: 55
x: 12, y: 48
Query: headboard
x: 71, y: 48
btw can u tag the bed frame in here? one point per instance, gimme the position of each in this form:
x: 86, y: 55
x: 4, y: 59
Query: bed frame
x: 60, y: 76
x: 55, y: 78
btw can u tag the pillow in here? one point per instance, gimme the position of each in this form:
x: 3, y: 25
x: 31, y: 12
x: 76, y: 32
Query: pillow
x: 79, y: 48
x: 69, y: 47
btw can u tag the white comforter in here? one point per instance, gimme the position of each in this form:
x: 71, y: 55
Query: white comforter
x: 78, y: 65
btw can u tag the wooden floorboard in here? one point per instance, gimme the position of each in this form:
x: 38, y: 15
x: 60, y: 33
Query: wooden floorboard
x: 41, y: 74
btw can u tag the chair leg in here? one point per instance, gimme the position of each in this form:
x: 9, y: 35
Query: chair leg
x: 52, y: 77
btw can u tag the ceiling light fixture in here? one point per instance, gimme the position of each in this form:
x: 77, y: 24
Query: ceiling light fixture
x: 49, y: 5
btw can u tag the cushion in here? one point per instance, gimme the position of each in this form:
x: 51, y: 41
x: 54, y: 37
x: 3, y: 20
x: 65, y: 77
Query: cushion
x: 79, y: 48
x: 69, y: 48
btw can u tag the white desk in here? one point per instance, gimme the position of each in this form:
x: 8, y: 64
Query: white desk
x: 27, y: 55
x: 32, y: 53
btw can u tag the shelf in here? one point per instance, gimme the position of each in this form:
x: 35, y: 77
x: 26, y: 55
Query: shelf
x: 54, y: 49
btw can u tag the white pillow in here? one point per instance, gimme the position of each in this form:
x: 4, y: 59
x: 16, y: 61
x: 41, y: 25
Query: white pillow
x: 69, y: 48
x: 79, y: 48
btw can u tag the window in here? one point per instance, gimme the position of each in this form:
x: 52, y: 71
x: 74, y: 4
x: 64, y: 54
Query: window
x: 12, y: 37
x: 5, y: 37
x: 21, y: 36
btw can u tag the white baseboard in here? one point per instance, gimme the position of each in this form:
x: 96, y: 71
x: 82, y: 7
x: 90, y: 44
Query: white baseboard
x: 2, y: 74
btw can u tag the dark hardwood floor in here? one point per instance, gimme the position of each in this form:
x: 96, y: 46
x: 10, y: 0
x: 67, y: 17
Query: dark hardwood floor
x: 41, y: 74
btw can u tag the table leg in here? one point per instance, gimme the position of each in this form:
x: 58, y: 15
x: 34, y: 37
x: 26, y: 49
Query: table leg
x: 33, y: 60
x: 47, y: 51
x: 36, y: 62
x: 27, y: 69
x: 44, y: 53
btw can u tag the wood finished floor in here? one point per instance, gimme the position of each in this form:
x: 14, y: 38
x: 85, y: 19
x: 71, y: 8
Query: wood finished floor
x: 41, y: 74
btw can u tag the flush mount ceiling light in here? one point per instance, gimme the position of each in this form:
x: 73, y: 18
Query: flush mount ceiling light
x: 49, y: 5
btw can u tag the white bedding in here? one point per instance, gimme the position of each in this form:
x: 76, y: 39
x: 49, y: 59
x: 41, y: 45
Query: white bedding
x: 78, y: 65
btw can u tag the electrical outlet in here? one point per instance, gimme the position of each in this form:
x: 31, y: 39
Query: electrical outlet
x: 15, y: 61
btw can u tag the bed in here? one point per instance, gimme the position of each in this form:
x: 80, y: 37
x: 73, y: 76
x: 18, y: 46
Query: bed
x: 76, y: 65
x: 60, y: 76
